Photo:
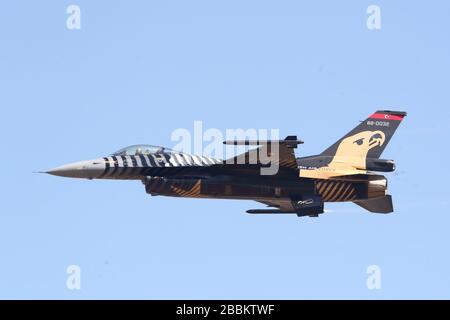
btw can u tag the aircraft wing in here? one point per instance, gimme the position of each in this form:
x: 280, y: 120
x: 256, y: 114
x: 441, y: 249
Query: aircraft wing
x: 269, y: 152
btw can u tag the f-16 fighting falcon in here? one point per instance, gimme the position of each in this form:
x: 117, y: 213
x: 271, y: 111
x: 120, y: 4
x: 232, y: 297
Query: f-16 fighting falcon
x: 343, y: 172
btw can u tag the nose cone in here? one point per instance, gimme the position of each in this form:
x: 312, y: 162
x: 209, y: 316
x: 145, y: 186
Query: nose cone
x: 90, y: 169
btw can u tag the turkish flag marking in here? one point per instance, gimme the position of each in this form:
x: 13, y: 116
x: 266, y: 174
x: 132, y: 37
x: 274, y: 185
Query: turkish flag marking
x: 386, y: 116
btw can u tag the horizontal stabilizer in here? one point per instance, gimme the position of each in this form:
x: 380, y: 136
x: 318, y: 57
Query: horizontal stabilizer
x: 379, y: 205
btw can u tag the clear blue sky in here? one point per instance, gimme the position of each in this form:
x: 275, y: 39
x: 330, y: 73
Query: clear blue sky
x: 137, y: 70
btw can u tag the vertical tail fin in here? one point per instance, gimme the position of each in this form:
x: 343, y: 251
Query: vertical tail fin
x: 369, y: 138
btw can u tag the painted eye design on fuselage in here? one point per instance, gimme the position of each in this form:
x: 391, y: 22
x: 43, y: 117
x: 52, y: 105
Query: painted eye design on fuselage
x: 359, y: 141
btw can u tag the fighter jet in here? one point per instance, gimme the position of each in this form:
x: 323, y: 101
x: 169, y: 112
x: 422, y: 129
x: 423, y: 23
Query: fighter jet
x: 344, y: 172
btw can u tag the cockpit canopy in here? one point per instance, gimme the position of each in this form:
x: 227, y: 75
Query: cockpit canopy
x: 141, y: 149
